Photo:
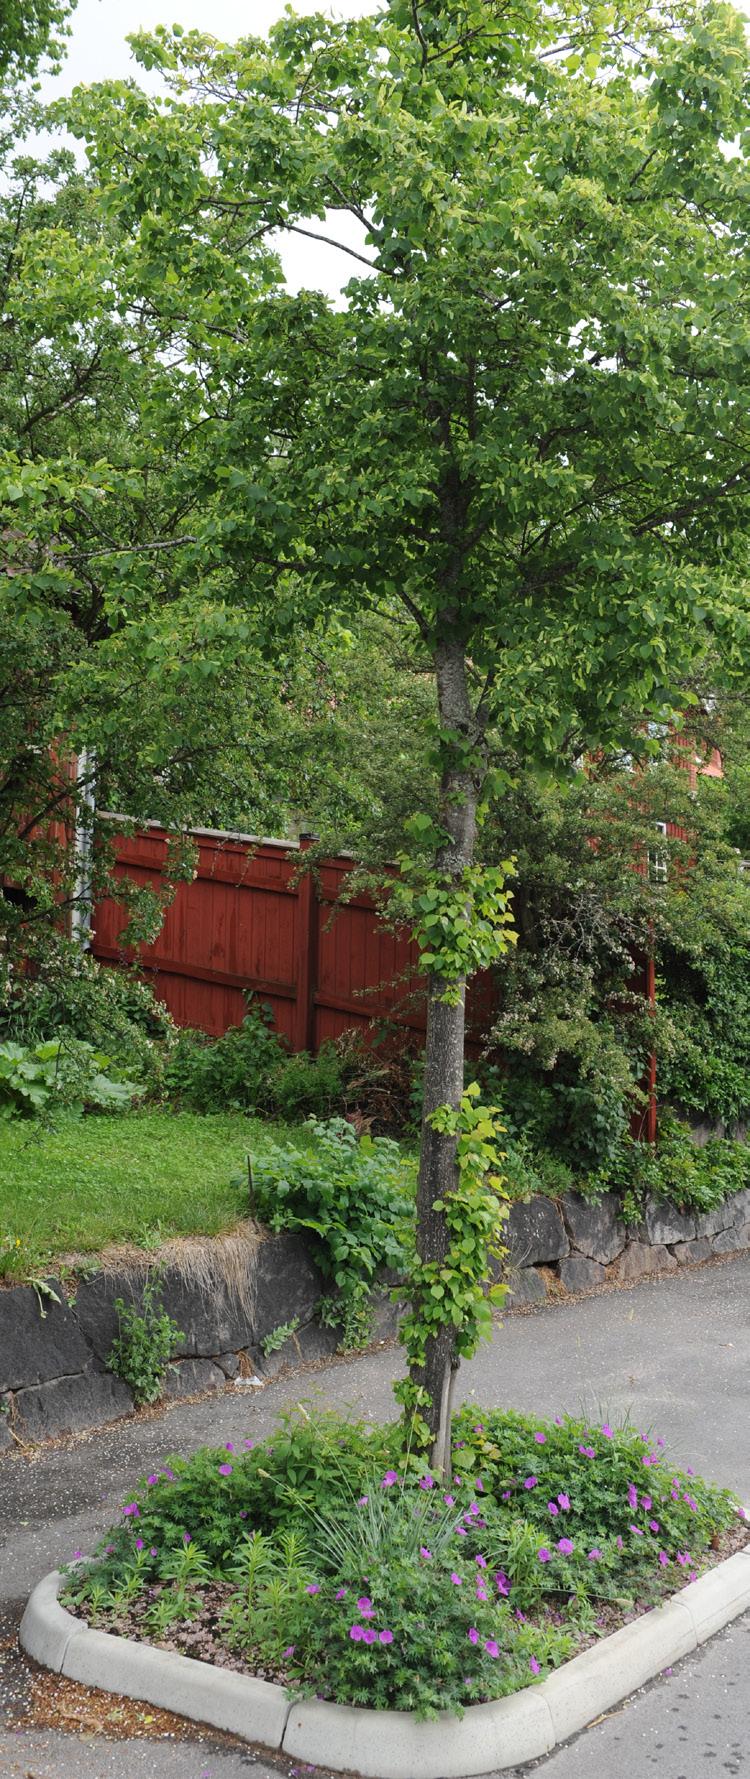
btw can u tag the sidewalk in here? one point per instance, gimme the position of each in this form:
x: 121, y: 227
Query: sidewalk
x: 676, y: 1353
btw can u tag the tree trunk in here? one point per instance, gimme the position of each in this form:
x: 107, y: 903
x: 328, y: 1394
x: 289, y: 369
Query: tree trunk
x: 444, y: 1049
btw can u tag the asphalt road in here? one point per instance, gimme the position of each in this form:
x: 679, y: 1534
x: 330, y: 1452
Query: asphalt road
x: 675, y: 1353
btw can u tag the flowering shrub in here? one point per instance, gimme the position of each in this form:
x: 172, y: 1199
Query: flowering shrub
x: 350, y: 1571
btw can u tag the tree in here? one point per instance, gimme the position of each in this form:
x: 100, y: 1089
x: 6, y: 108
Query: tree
x: 525, y: 427
x: 29, y: 30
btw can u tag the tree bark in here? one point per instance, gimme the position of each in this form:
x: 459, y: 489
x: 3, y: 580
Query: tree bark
x: 444, y: 1049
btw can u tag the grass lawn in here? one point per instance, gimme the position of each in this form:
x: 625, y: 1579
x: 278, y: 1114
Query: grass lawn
x: 140, y: 1178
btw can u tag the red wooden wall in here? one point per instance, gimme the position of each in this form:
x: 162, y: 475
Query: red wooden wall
x: 250, y: 921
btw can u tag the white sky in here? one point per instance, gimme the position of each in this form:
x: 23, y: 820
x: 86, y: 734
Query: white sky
x: 97, y: 50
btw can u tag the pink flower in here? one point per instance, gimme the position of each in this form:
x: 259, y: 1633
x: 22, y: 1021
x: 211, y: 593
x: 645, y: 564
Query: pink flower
x: 534, y: 1665
x: 653, y: 1525
x: 530, y: 1482
x: 425, y: 1554
x: 618, y: 1542
x: 646, y: 1502
x: 457, y: 1579
x: 386, y: 1637
x: 481, y: 1592
x: 606, y: 1431
x: 541, y: 1438
x: 154, y: 1551
x: 564, y: 1501
x: 479, y: 1486
x: 341, y: 1595
x: 225, y: 1469
x: 356, y: 1632
x: 140, y: 1544
x: 186, y: 1538
x: 312, y: 1588
x: 287, y: 1652
x: 132, y: 1508
x: 503, y: 1584
x: 479, y: 1427
x: 492, y: 1648
x: 683, y: 1558
x: 364, y: 1604
x: 544, y: 1555
x: 663, y: 1558
x: 151, y: 1480
x: 449, y: 1500
x: 594, y: 1555
x: 228, y: 1447
x: 363, y: 1500
x: 369, y: 1636
x: 553, y: 1508
x: 632, y: 1495
x: 637, y: 1531
x: 481, y: 1562
x: 391, y: 1477
x: 587, y: 1451
x: 566, y: 1546
x: 426, y: 1482
x: 473, y: 1634
x: 249, y: 1444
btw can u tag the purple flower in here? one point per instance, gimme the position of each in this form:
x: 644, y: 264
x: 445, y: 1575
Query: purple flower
x: 594, y: 1554
x: 683, y: 1558
x: 385, y: 1637
x: 505, y: 1495
x: 637, y: 1531
x: 587, y: 1451
x: 541, y: 1438
x: 481, y: 1562
x: 356, y: 1632
x: 364, y: 1604
x: 521, y: 1616
x: 534, y: 1665
x: 606, y: 1431
x: 248, y: 1444
x: 492, y: 1648
x: 530, y: 1482
x: 653, y: 1525
x: 458, y: 1580
x: 425, y: 1554
x: 369, y: 1636
x: 632, y: 1495
x: 450, y: 1500
x: 228, y: 1447
x: 154, y: 1551
x: 558, y: 1420
x: 341, y: 1595
x: 544, y: 1555
x: 663, y: 1558
x: 287, y: 1652
x: 481, y: 1592
x: 225, y: 1469
x: 566, y: 1546
x: 110, y: 1549
x: 426, y: 1482
x: 688, y: 1471
x: 479, y: 1427
x: 618, y: 1542
x: 312, y: 1588
x: 186, y: 1538
x: 473, y: 1634
x: 646, y: 1502
x: 391, y: 1477
x: 553, y: 1508
x: 140, y: 1544
x: 77, y: 1554
x: 460, y: 1532
x: 132, y: 1508
x: 151, y: 1480
x: 564, y: 1501
x: 363, y: 1500
x: 479, y: 1486
x: 660, y: 1441
x: 503, y: 1584
x: 169, y: 1474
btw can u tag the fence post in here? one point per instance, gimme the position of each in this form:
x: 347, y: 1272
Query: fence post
x: 306, y: 958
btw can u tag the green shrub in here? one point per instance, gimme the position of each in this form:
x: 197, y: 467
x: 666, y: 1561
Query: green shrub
x: 359, y: 1576
x: 78, y: 998
x: 304, y: 1086
x: 354, y: 1196
x: 62, y: 1075
x: 228, y: 1074
x: 146, y: 1342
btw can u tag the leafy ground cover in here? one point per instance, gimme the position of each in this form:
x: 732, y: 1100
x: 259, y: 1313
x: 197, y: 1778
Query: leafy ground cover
x: 327, y: 1559
x: 83, y: 1183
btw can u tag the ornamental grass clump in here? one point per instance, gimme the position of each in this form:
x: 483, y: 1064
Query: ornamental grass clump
x: 328, y: 1559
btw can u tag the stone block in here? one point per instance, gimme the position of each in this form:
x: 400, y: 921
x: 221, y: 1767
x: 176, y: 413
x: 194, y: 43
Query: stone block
x: 6, y: 1437
x: 190, y: 1377
x: 228, y: 1363
x: 394, y: 1745
x: 639, y: 1260
x: 287, y: 1284
x: 595, y: 1230
x: 211, y: 1320
x: 740, y: 1206
x: 526, y: 1286
x: 691, y: 1253
x: 237, y: 1703
x: 595, y: 1681
x: 38, y: 1343
x: 46, y: 1628
x: 534, y: 1232
x: 665, y: 1224
x: 70, y: 1404
x: 577, y: 1273
x: 716, y: 1598
x: 731, y: 1241
x: 709, y: 1223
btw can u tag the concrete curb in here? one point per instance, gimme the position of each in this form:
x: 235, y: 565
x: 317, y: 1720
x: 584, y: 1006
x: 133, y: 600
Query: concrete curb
x: 393, y: 1744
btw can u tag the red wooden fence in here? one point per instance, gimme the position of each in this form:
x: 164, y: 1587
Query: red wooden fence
x: 251, y: 921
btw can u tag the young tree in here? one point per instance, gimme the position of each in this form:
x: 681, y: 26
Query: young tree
x: 523, y: 428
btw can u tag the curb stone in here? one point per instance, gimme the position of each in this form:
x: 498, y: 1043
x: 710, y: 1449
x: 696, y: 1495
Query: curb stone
x: 503, y: 1734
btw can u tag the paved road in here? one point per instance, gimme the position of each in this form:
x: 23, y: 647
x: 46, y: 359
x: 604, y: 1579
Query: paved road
x: 675, y: 1353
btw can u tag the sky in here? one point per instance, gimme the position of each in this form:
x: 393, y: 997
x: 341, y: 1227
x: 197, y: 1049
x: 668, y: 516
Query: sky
x: 97, y: 50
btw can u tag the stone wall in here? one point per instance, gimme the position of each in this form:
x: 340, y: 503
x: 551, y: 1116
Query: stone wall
x: 53, y: 1371
x: 574, y: 1245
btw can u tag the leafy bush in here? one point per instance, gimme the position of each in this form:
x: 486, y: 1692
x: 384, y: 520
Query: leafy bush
x: 64, y: 1074
x: 472, y: 1590
x: 692, y: 1176
x: 305, y: 1086
x: 232, y: 1073
x: 353, y: 1195
x: 146, y: 1342
x: 78, y: 998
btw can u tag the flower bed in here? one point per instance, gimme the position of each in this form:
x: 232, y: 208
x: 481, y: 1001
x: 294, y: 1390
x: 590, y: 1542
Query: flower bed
x: 325, y: 1560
